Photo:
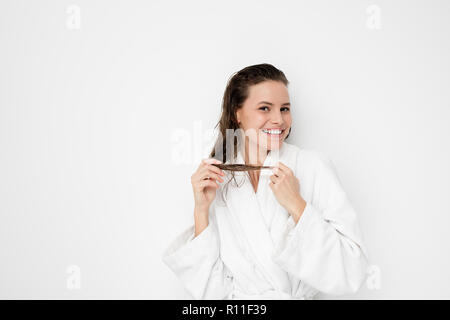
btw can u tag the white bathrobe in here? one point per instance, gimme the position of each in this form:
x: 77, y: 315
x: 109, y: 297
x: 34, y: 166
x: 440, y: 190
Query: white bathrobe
x: 253, y: 249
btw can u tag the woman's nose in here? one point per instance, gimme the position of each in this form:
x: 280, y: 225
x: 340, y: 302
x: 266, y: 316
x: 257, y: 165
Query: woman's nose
x: 276, y: 117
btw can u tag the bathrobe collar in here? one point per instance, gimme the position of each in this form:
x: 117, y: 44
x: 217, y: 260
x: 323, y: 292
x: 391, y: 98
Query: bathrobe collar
x: 256, y: 215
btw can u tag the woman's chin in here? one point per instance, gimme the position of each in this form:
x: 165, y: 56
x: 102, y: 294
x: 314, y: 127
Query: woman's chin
x: 274, y: 145
x: 267, y: 144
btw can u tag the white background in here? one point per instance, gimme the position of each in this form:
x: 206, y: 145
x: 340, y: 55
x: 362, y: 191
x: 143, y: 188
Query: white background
x: 87, y: 118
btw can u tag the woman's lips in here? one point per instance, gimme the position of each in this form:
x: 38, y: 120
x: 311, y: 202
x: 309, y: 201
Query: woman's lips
x: 274, y: 135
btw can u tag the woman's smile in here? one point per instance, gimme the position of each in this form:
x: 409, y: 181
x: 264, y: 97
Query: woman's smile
x: 274, y: 133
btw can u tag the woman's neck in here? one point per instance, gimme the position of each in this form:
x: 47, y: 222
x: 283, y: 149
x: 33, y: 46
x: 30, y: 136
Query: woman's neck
x: 255, y: 155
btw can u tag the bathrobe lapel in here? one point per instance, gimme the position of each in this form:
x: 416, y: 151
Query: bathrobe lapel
x: 254, y: 215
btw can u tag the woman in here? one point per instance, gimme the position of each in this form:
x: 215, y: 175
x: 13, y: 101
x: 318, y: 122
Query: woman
x: 282, y: 234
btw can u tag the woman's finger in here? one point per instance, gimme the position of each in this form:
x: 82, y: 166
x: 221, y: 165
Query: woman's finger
x: 207, y: 168
x: 215, y: 169
x: 284, y: 168
x: 211, y: 161
x: 199, y: 174
x: 278, y: 172
x: 211, y: 175
x: 274, y: 178
x: 207, y: 162
x: 208, y: 183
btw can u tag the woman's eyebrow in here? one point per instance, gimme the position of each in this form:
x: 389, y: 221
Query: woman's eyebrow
x: 269, y: 103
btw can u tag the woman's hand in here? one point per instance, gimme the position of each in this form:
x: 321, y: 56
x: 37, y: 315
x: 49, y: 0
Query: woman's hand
x: 286, y: 188
x: 204, y: 183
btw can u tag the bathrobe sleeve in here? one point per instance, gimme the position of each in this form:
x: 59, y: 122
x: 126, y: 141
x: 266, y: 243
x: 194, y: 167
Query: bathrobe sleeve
x: 197, y: 263
x: 325, y: 249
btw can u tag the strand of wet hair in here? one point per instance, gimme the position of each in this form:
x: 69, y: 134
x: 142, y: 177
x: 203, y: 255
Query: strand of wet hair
x: 240, y: 167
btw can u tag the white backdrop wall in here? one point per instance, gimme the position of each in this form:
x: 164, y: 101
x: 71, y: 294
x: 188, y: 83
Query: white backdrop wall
x: 96, y: 95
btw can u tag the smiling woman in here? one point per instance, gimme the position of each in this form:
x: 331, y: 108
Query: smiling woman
x: 284, y: 236
x: 256, y: 105
x: 272, y: 119
x: 256, y: 99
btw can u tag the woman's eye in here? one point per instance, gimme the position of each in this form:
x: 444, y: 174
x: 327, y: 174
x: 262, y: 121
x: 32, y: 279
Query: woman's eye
x: 283, y: 109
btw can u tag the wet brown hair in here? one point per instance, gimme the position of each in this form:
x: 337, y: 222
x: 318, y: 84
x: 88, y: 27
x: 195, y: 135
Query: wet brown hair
x: 235, y: 94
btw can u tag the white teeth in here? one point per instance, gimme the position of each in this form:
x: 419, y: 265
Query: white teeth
x: 272, y: 131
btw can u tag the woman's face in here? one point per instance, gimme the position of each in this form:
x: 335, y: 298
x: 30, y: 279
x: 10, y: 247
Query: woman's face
x: 267, y: 107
